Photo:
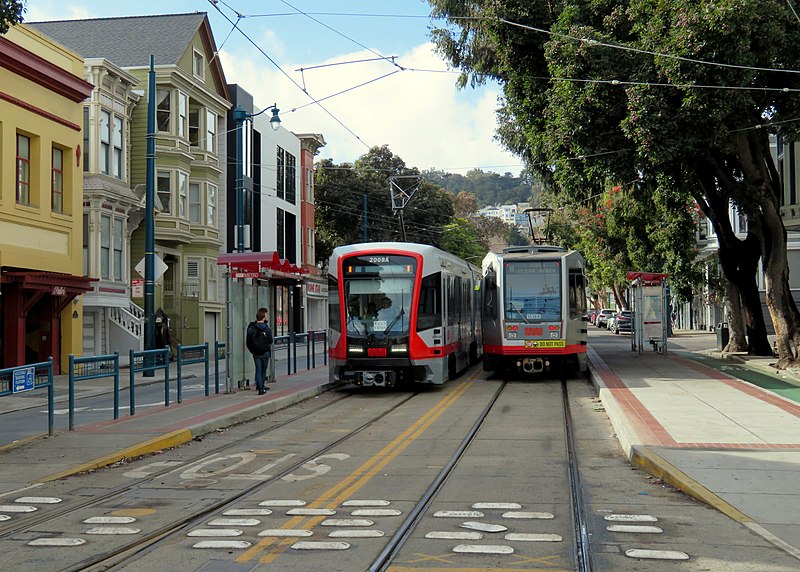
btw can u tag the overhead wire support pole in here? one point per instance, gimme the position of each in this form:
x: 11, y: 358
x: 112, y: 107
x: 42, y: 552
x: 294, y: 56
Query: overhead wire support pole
x: 402, y: 188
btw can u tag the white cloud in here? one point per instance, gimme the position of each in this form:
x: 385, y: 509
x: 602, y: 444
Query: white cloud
x: 46, y: 11
x: 421, y: 116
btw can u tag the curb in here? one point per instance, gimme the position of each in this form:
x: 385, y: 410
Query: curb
x: 654, y: 464
x: 182, y: 436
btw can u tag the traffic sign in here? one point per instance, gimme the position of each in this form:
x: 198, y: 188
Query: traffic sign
x: 23, y: 379
x: 159, y: 266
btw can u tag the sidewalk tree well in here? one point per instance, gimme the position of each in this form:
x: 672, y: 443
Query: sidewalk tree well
x: 673, y: 90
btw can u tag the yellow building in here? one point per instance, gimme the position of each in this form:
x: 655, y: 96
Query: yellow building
x: 41, y: 199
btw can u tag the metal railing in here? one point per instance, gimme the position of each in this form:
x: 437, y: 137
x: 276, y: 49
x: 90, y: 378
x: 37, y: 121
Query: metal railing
x: 14, y: 380
x: 93, y: 367
x: 146, y: 361
x: 188, y: 355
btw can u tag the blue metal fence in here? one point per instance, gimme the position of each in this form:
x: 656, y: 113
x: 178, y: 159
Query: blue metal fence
x: 149, y: 360
x: 220, y: 351
x: 188, y: 355
x: 93, y: 367
x: 15, y: 380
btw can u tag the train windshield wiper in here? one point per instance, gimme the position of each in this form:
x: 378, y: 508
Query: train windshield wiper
x: 394, y: 321
x: 354, y: 320
x: 518, y: 311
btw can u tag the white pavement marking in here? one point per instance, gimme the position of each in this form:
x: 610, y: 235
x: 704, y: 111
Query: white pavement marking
x: 366, y: 503
x: 376, y: 512
x: 641, y: 529
x: 215, y: 532
x: 298, y: 532
x: 234, y: 522
x: 311, y: 512
x: 458, y: 514
x: 109, y: 520
x: 630, y: 518
x: 4, y: 517
x: 539, y: 515
x: 500, y: 505
x: 656, y: 554
x: 17, y: 508
x: 113, y: 530
x: 347, y: 522
x: 357, y: 534
x: 282, y: 503
x: 38, y: 500
x: 307, y: 545
x: 533, y: 537
x: 60, y: 542
x: 221, y: 544
x: 483, y: 526
x: 247, y: 512
x: 483, y: 549
x: 21, y: 489
x: 448, y: 535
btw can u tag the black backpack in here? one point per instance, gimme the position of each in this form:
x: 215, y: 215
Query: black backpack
x: 258, y: 340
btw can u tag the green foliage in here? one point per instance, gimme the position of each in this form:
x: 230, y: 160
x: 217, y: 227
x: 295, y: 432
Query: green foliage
x: 461, y: 238
x: 340, y: 192
x: 11, y: 12
x: 487, y: 188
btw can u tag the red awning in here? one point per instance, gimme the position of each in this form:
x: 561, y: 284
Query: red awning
x: 256, y: 262
x: 648, y: 278
x: 56, y: 283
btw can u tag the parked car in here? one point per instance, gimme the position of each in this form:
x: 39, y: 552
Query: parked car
x: 602, y: 317
x: 623, y: 322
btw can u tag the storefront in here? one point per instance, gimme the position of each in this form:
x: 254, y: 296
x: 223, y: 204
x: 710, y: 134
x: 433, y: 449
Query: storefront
x: 33, y: 306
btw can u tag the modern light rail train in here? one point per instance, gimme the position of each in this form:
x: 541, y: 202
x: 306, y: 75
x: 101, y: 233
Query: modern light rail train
x: 534, y: 308
x: 401, y: 312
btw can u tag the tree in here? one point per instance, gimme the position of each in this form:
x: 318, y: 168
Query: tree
x: 11, y: 12
x: 666, y: 92
x: 461, y: 238
x: 340, y: 192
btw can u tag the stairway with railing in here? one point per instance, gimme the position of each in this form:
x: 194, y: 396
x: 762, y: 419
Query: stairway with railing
x: 130, y: 320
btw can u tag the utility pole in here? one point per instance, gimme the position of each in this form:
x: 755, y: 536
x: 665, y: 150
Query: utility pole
x: 149, y: 225
x: 239, y: 115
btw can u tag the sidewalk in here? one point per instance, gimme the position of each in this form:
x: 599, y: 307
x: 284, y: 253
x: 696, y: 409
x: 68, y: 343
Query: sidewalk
x: 71, y: 452
x: 724, y: 429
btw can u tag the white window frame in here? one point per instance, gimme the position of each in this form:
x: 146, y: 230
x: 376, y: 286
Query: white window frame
x: 195, y: 205
x: 211, y: 132
x: 106, y: 128
x: 183, y: 194
x: 211, y: 204
x: 183, y: 115
x: 168, y: 206
x: 198, y: 64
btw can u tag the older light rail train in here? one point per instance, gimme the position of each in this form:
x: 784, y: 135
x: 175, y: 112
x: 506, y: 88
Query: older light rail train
x: 401, y: 312
x: 534, y: 310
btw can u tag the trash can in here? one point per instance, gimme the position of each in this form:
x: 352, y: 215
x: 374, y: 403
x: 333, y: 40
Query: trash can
x: 723, y: 335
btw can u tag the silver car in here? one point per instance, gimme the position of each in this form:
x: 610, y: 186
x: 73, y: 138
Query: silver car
x: 603, y: 317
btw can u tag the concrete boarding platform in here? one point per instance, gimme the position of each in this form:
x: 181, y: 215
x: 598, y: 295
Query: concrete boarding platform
x: 723, y: 429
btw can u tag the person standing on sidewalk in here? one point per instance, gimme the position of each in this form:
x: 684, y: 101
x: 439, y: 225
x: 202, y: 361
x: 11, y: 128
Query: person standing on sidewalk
x: 259, y: 343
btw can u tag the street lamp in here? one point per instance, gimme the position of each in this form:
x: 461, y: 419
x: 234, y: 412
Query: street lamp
x: 239, y: 115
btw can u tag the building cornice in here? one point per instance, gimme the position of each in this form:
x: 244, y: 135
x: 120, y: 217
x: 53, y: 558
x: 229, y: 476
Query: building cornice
x: 38, y: 70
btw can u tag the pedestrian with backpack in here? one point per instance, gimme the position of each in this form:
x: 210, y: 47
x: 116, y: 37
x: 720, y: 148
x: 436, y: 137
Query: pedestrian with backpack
x: 259, y: 343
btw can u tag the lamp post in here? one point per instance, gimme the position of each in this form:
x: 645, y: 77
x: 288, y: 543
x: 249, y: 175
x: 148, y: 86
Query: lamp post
x: 239, y: 116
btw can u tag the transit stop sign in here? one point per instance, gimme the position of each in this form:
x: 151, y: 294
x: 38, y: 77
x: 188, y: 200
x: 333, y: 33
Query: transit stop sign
x: 22, y: 379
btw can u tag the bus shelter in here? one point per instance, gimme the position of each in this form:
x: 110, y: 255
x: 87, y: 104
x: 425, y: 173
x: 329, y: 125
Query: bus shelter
x: 254, y: 280
x: 650, y: 313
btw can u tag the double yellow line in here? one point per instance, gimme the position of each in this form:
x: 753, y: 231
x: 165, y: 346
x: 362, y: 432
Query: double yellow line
x: 343, y: 490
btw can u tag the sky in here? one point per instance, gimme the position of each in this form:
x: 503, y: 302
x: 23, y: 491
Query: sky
x: 299, y: 51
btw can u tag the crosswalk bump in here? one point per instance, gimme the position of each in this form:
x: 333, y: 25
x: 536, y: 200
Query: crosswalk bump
x: 523, y: 537
x: 297, y: 532
x: 308, y: 545
x: 483, y: 549
x: 646, y: 554
x: 57, y: 542
x: 226, y: 544
x: 357, y: 533
x: 635, y: 529
x: 218, y: 532
x: 366, y: 503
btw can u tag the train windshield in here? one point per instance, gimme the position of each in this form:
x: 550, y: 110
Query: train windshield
x: 378, y: 290
x: 532, y: 291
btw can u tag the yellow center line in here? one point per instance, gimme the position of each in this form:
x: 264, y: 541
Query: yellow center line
x: 357, y: 478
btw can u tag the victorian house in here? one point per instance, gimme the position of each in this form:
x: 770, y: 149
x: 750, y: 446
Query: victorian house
x: 191, y: 106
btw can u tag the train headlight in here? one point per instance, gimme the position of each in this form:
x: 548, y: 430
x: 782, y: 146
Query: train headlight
x: 355, y: 350
x: 399, y: 349
x: 512, y: 334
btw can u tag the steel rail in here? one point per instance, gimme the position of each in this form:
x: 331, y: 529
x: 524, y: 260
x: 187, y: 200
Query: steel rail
x: 399, y: 538
x: 583, y: 556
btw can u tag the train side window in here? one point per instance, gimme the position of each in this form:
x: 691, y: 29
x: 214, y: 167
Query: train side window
x: 577, y: 293
x: 429, y: 309
x: 490, y: 295
x: 334, y: 319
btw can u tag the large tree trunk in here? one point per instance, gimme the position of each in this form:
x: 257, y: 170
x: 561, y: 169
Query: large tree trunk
x: 736, y: 324
x: 738, y: 258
